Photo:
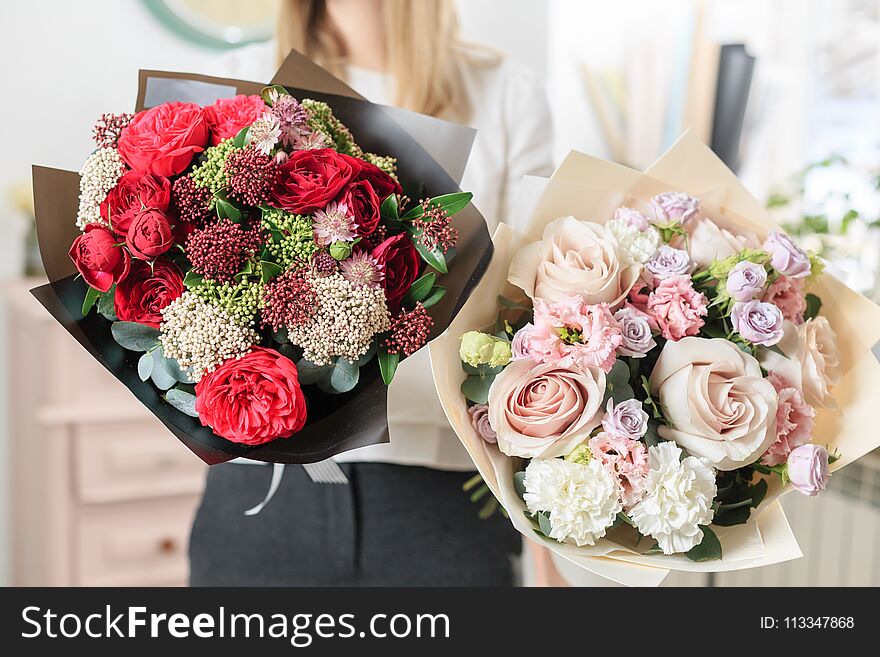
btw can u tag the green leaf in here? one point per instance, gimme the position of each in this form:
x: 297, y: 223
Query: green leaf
x: 511, y: 304
x: 709, y: 548
x: 652, y: 437
x: 107, y: 304
x: 241, y: 138
x: 171, y: 367
x: 309, y: 373
x: 544, y: 522
x: 437, y: 293
x: 388, y: 365
x: 367, y: 357
x: 434, y: 257
x: 192, y: 279
x: 476, y: 388
x: 341, y: 250
x: 519, y: 483
x: 420, y: 289
x: 814, y: 304
x: 145, y: 365
x: 389, y: 209
x: 758, y: 491
x: 622, y: 517
x: 451, y: 203
x: 91, y: 297
x: 160, y: 374
x: 134, y: 336
x: 277, y: 88
x: 269, y: 270
x: 226, y: 210
x: 344, y: 375
x: 182, y: 401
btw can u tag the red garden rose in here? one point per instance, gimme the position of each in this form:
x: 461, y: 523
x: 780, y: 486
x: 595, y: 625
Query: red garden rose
x: 147, y: 290
x: 228, y: 116
x: 163, y: 139
x: 98, y: 258
x: 364, y: 206
x: 383, y: 184
x: 311, y: 179
x: 149, y: 235
x: 401, y: 265
x: 252, y: 399
x: 135, y: 191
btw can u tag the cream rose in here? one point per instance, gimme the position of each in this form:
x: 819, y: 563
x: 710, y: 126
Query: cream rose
x: 813, y: 347
x: 575, y: 257
x: 716, y: 402
x: 544, y: 410
x: 708, y: 242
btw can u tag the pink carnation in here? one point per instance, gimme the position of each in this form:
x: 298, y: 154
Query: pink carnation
x: 794, y: 422
x: 677, y: 307
x: 626, y: 459
x: 571, y: 332
x: 787, y: 294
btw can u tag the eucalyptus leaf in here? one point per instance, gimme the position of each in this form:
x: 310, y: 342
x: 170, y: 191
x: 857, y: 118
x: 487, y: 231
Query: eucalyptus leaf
x: 420, y: 289
x: 182, y: 401
x: 161, y: 376
x: 476, y: 388
x: 309, y: 373
x: 145, y: 365
x: 367, y: 357
x: 344, y: 375
x: 134, y: 336
x: 91, y: 297
x: 709, y: 548
x: 171, y: 367
x: 437, y: 293
x: 519, y: 483
x: 544, y: 523
x: 107, y: 304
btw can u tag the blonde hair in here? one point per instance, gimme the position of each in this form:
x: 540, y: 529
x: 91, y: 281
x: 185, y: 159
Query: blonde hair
x: 424, y: 52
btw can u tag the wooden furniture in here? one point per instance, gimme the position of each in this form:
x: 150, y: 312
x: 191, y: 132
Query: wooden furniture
x: 102, y: 494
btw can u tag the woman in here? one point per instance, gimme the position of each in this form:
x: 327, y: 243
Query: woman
x: 403, y: 518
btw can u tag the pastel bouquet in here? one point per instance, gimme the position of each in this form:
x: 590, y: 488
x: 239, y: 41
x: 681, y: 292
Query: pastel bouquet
x: 258, y: 267
x: 662, y: 363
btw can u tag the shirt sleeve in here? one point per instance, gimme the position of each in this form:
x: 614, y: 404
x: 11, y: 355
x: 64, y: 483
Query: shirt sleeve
x: 529, y: 135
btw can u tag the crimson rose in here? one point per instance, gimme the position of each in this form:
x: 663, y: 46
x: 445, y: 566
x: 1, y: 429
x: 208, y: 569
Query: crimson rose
x: 149, y: 235
x: 228, y: 116
x: 147, y: 290
x: 383, y: 184
x: 401, y: 264
x: 98, y: 258
x: 135, y: 191
x: 309, y: 180
x: 364, y: 206
x: 252, y: 399
x: 163, y: 139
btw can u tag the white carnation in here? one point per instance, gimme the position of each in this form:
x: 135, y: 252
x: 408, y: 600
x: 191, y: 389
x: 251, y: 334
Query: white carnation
x: 582, y: 500
x: 641, y: 245
x: 678, y: 499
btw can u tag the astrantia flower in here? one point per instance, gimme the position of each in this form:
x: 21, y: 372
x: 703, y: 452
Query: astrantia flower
x: 641, y: 245
x: 678, y: 499
x: 310, y: 141
x: 362, y: 269
x: 334, y: 224
x: 581, y: 500
x: 264, y: 133
x: 292, y: 118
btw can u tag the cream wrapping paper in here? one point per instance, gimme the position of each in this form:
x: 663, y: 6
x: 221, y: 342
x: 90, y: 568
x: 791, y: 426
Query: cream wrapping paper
x: 590, y: 189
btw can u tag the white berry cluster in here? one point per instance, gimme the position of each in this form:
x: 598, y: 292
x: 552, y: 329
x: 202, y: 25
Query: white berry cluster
x: 99, y: 175
x: 345, y: 320
x: 201, y: 336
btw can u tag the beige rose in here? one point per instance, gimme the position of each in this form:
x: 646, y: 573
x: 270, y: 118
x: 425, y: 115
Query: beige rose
x: 708, y: 241
x: 716, y: 402
x: 544, y: 410
x: 813, y: 347
x: 575, y: 257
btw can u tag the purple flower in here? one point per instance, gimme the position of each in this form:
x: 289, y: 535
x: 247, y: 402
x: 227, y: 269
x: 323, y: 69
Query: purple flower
x: 637, y: 339
x: 480, y: 422
x: 787, y: 257
x: 632, y: 218
x: 746, y: 280
x: 627, y: 419
x: 808, y: 469
x: 669, y: 261
x: 675, y: 206
x: 758, y: 322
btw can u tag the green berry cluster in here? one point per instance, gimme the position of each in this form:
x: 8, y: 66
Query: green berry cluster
x: 240, y: 299
x: 324, y: 122
x: 211, y: 173
x: 387, y: 163
x: 291, y: 238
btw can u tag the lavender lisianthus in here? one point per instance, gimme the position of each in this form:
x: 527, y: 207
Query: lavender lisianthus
x: 675, y: 206
x: 787, y: 257
x: 669, y: 261
x: 627, y: 419
x: 746, y: 281
x: 758, y: 322
x: 807, y: 468
x: 637, y: 339
x: 480, y: 422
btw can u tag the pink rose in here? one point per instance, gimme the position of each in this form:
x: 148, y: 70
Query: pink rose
x: 632, y: 218
x: 787, y: 294
x: 543, y: 410
x: 758, y: 322
x: 626, y: 459
x: 808, y: 469
x: 675, y: 206
x: 480, y: 422
x: 787, y: 257
x: 627, y: 419
x: 635, y: 329
x: 794, y: 422
x: 746, y: 280
x: 677, y: 307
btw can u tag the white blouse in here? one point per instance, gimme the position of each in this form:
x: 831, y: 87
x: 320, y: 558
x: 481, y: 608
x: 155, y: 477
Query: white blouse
x: 514, y: 138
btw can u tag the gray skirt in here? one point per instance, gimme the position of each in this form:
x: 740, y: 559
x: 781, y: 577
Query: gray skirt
x: 392, y: 525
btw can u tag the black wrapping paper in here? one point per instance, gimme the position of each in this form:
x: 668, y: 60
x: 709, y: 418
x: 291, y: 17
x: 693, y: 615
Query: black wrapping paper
x: 336, y: 423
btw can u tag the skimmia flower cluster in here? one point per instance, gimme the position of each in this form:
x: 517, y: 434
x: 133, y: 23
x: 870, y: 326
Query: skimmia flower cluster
x: 666, y: 369
x: 240, y: 242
